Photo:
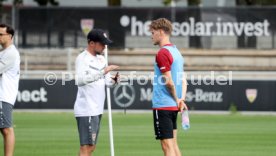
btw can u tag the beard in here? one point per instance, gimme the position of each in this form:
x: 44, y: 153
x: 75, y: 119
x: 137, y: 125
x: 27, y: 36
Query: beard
x: 156, y: 43
x: 98, y: 52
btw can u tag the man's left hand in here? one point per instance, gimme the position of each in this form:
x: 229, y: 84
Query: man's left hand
x: 116, y: 78
x: 182, y: 106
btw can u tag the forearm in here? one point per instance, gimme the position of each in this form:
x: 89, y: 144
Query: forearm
x: 184, y: 89
x: 170, y: 85
x: 3, y: 67
x: 109, y: 82
x: 84, y: 79
x: 172, y: 90
x: 6, y: 63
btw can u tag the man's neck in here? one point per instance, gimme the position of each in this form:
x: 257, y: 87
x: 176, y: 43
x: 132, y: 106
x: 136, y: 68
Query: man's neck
x: 91, y: 51
x: 4, y: 46
x: 164, y: 42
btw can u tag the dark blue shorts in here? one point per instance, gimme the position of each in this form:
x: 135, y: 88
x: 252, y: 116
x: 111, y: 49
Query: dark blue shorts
x: 89, y: 128
x: 5, y: 114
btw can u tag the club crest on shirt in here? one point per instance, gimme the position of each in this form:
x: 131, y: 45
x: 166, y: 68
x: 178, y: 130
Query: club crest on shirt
x: 94, y: 135
x: 86, y: 25
x: 101, y: 59
x: 251, y: 95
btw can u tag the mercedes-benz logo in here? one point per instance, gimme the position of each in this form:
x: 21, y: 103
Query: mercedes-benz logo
x: 124, y: 95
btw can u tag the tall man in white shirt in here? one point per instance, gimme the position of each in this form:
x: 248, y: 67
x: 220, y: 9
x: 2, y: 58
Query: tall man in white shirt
x: 9, y: 79
x: 92, y: 77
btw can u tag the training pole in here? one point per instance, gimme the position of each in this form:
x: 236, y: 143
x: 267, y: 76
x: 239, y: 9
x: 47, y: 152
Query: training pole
x: 109, y: 109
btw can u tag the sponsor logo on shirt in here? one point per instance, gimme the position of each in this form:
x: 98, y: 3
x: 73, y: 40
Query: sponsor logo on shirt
x: 101, y: 60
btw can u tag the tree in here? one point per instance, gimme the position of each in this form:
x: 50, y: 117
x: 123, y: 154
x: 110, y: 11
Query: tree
x: 1, y: 9
x: 17, y: 2
x: 46, y: 2
x: 190, y: 2
x: 114, y: 2
x: 167, y: 2
x: 256, y: 2
x: 249, y: 41
x: 194, y: 2
x: 1, y: 1
x: 195, y: 41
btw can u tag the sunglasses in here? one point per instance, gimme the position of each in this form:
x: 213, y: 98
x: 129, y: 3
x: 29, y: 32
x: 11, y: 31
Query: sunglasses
x: 3, y: 34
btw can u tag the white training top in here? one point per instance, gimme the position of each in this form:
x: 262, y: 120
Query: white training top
x: 91, y: 84
x: 9, y: 74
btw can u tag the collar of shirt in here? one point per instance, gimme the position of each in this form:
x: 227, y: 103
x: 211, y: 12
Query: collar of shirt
x: 170, y: 44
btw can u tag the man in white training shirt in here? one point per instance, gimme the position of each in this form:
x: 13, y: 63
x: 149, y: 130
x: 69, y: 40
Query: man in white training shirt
x: 92, y: 77
x: 9, y: 78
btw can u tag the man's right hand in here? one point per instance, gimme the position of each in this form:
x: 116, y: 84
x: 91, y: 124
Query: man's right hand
x: 110, y: 68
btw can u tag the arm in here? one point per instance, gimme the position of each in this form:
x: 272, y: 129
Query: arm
x: 111, y: 81
x: 83, y: 73
x: 184, y: 87
x: 164, y: 61
x: 170, y: 85
x: 181, y: 104
x: 85, y: 77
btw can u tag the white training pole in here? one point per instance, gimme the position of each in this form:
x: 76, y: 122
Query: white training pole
x: 109, y: 110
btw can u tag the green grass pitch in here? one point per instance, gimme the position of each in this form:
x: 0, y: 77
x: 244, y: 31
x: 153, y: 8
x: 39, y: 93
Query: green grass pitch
x: 55, y: 134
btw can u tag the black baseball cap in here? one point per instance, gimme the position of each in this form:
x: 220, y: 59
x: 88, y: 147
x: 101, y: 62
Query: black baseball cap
x: 98, y: 35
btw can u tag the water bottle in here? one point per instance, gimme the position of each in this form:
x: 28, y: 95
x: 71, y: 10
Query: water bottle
x: 185, y: 120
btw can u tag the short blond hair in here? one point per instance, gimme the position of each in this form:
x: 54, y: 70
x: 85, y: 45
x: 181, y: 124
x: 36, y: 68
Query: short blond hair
x: 163, y: 24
